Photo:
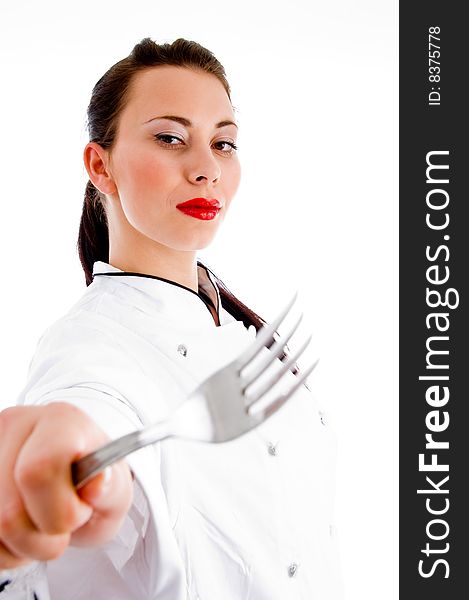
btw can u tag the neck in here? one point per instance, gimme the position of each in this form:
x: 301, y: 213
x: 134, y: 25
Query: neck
x: 175, y: 265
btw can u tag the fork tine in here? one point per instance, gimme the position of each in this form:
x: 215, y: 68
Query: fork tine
x: 280, y: 400
x: 263, y: 336
x: 275, y: 352
x: 276, y: 376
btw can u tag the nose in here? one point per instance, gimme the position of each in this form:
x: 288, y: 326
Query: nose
x: 204, y: 167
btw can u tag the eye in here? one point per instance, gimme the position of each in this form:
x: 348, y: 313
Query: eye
x: 165, y: 136
x: 231, y: 145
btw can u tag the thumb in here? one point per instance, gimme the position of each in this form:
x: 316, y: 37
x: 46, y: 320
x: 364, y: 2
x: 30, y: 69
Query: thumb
x: 109, y: 494
x: 96, y: 489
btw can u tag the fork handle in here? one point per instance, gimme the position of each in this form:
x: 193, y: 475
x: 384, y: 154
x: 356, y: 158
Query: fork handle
x: 86, y: 467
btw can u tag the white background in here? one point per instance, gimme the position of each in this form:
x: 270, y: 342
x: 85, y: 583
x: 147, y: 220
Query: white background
x: 315, y: 91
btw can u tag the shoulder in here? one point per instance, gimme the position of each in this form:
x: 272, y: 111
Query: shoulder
x: 80, y: 350
x: 90, y: 324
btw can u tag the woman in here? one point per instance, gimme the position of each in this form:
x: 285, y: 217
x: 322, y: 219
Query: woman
x: 251, y: 518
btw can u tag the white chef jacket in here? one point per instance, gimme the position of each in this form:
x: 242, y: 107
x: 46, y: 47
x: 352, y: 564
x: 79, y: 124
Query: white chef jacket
x: 248, y: 519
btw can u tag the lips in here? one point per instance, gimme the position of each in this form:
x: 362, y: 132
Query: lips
x: 212, y: 204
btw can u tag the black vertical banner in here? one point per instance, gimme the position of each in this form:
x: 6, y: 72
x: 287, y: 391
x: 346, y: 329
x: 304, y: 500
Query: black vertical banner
x: 434, y: 268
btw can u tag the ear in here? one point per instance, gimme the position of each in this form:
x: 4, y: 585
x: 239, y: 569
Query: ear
x: 96, y: 158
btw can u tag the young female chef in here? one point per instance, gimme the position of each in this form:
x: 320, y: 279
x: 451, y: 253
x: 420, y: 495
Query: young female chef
x: 251, y: 518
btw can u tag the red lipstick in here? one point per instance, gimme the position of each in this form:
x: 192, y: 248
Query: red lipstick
x: 200, y: 208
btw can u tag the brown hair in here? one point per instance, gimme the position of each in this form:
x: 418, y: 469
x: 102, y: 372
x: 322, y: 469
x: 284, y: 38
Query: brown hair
x: 108, y: 98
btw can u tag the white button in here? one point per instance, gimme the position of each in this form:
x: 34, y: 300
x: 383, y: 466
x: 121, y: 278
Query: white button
x: 182, y: 349
x: 272, y: 449
x: 292, y: 569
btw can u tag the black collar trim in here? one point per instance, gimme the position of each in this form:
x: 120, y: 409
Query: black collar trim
x: 204, y: 298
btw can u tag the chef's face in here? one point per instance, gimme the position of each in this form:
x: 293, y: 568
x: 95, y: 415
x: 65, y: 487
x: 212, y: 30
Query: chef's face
x: 157, y: 163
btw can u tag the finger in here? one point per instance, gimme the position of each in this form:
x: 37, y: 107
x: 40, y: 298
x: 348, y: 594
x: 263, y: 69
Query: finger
x: 9, y: 561
x: 110, y: 493
x: 19, y: 537
x: 22, y: 540
x: 43, y: 472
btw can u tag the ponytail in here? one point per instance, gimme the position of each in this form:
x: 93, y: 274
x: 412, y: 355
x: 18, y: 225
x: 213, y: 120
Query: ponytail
x: 93, y: 235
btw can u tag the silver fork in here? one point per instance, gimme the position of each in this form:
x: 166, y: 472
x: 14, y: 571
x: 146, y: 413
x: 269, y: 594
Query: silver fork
x: 220, y: 409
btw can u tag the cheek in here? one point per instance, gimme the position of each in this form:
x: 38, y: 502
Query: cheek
x: 232, y: 181
x: 146, y: 180
x: 232, y: 175
x: 148, y: 173
x: 233, y: 178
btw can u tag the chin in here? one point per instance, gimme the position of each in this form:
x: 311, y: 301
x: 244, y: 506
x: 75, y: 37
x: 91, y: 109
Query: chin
x: 198, y: 245
x: 197, y: 240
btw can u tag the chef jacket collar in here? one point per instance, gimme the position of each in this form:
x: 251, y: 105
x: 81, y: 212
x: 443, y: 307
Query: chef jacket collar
x: 172, y: 296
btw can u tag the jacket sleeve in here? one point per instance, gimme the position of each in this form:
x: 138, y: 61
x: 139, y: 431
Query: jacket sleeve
x: 86, y: 367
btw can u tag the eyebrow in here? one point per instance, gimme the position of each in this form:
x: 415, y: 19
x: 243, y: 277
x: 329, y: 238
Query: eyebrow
x: 188, y: 123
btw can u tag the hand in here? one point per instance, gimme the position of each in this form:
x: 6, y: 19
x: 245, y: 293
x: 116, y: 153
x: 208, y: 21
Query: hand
x: 41, y: 513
